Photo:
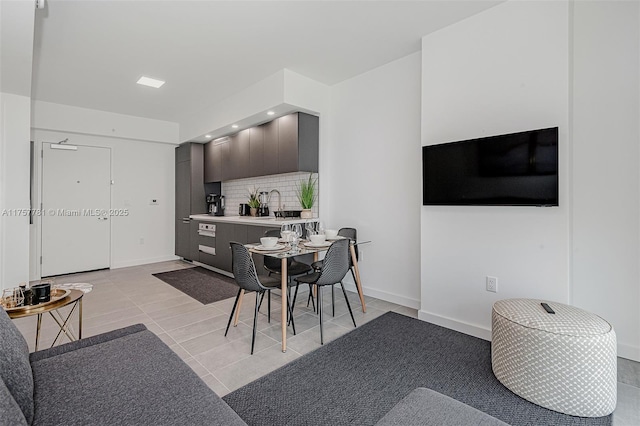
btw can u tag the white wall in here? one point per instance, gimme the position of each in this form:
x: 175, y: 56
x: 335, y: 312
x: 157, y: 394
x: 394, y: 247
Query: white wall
x: 503, y: 70
x: 312, y: 97
x: 374, y: 175
x: 255, y: 99
x: 16, y: 57
x: 66, y: 118
x: 141, y: 171
x: 16, y: 46
x: 606, y: 189
x: 14, y: 189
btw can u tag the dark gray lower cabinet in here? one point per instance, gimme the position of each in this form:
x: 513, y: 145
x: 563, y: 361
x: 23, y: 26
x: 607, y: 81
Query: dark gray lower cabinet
x: 183, y: 238
x: 254, y: 233
x: 225, y: 233
x: 189, y: 197
x: 194, y: 241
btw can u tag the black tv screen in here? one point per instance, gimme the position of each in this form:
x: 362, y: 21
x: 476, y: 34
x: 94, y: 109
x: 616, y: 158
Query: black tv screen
x: 518, y: 169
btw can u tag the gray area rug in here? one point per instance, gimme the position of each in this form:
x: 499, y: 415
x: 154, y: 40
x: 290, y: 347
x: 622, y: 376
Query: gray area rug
x: 359, y: 377
x: 202, y: 284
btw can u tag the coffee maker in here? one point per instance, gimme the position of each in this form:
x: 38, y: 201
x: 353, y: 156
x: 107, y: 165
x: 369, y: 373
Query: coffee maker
x: 215, y: 204
x: 263, y: 210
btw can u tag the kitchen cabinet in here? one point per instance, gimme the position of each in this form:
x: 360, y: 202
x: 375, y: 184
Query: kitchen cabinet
x: 225, y: 233
x: 270, y: 148
x: 298, y: 142
x: 263, y: 154
x: 286, y: 144
x: 216, y: 161
x: 254, y: 233
x: 256, y: 152
x: 189, y: 194
x: 194, y: 241
x: 222, y: 258
x: 239, y: 161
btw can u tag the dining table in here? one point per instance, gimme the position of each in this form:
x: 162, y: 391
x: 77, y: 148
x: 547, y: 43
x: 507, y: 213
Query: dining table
x: 286, y: 250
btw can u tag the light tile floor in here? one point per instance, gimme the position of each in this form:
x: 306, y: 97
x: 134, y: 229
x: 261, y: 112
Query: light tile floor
x: 127, y: 296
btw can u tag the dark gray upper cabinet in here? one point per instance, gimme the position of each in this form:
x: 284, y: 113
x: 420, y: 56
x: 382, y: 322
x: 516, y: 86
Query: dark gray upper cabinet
x: 298, y: 142
x: 286, y: 144
x: 210, y: 165
x: 189, y: 180
x: 256, y: 152
x: 216, y: 161
x: 270, y: 148
x: 239, y: 149
x: 308, y: 142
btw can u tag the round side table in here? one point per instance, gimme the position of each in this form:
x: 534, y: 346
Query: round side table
x: 73, y: 297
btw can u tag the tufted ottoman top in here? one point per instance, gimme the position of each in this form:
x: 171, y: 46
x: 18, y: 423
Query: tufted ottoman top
x: 567, y: 320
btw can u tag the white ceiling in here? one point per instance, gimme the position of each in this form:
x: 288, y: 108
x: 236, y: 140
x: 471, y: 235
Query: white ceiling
x: 90, y: 53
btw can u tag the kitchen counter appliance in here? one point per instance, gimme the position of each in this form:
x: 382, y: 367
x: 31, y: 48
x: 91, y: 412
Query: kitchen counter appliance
x: 244, y: 210
x: 215, y: 204
x: 263, y: 210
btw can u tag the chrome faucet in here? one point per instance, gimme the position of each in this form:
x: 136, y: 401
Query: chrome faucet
x: 279, y: 199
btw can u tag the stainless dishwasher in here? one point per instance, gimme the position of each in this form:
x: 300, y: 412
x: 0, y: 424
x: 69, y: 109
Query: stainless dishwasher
x: 207, y: 230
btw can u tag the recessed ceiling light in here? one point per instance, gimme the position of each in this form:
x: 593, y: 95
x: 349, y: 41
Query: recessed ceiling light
x: 235, y: 126
x: 270, y: 113
x: 207, y: 136
x: 151, y: 82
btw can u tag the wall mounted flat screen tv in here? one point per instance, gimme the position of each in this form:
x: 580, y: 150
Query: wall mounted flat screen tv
x: 518, y: 169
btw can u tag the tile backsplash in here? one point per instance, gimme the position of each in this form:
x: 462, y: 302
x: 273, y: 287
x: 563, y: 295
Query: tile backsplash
x: 236, y: 192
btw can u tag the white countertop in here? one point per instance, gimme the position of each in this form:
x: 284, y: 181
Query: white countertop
x: 249, y: 220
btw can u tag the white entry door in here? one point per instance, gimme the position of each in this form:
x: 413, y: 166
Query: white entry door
x: 76, y: 198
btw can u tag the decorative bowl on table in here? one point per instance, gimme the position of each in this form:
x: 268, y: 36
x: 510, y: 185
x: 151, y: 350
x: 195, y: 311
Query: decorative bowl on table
x: 317, y: 239
x: 269, y: 242
x: 330, y: 234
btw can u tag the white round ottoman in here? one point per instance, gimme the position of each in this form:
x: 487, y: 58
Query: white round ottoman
x: 565, y: 361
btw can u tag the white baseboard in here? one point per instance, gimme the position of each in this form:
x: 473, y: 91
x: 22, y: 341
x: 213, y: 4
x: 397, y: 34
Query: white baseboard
x: 383, y: 295
x: 629, y: 352
x: 461, y: 326
x: 137, y: 262
x: 211, y: 268
x: 624, y: 351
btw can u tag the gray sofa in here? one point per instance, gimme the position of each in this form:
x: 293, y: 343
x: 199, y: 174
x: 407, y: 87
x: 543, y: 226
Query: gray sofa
x: 124, y: 377
x: 130, y: 377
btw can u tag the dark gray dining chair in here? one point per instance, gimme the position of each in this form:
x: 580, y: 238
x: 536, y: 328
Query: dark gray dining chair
x: 351, y: 234
x: 244, y: 272
x: 294, y: 268
x: 334, y: 268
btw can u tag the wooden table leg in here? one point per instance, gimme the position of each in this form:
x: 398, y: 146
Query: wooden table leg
x: 237, y: 315
x: 358, y: 282
x: 315, y: 287
x: 283, y: 286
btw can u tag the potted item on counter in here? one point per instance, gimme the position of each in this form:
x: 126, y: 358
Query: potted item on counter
x: 254, y: 201
x: 307, y: 195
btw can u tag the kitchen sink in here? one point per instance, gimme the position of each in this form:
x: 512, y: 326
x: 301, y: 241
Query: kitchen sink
x: 288, y: 214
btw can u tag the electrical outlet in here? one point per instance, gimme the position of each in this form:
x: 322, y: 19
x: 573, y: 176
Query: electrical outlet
x: 492, y: 284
